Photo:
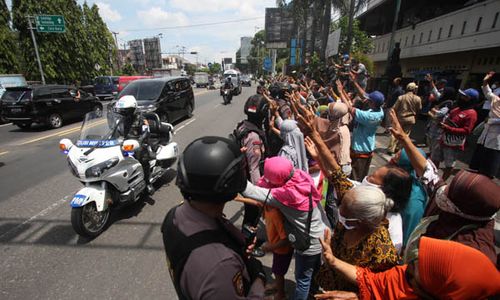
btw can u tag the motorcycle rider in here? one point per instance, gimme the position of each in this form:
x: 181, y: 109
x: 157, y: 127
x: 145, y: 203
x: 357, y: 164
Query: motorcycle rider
x: 206, y: 255
x: 228, y: 85
x: 136, y: 126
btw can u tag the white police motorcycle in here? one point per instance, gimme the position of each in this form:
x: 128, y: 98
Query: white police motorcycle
x: 105, y: 164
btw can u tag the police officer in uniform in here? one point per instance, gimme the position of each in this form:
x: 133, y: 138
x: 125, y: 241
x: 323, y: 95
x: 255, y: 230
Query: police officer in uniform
x: 135, y: 126
x: 207, y: 256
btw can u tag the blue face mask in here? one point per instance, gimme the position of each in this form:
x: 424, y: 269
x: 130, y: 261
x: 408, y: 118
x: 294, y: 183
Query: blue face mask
x: 344, y: 220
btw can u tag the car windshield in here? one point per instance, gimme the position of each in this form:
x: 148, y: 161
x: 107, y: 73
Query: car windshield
x: 143, y: 90
x: 102, y: 80
x: 17, y: 96
x: 100, y: 130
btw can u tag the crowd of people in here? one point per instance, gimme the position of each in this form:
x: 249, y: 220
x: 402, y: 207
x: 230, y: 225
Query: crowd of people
x: 301, y: 161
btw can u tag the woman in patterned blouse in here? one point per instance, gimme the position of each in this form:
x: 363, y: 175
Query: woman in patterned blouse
x: 361, y: 236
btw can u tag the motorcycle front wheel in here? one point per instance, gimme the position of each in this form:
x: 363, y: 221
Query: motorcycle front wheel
x: 89, y: 222
x: 225, y: 99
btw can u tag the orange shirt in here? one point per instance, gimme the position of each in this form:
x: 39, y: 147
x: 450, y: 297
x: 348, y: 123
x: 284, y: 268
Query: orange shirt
x: 275, y: 229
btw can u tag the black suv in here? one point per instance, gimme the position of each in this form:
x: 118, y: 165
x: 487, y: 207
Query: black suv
x: 47, y: 104
x: 172, y: 98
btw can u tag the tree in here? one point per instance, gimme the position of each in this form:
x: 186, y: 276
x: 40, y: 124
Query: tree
x: 69, y: 56
x: 8, y: 42
x: 361, y: 42
x: 215, y: 68
x: 257, y: 52
x: 128, y: 69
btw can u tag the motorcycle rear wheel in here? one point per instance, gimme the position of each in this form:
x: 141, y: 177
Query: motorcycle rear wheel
x: 87, y: 221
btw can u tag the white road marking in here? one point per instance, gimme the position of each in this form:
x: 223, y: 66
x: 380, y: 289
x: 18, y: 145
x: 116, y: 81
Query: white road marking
x: 217, y: 105
x: 187, y: 123
x: 44, y: 212
x: 3, y: 125
x: 5, y: 152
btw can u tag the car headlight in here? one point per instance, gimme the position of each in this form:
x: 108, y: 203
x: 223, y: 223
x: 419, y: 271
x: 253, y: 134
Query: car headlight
x: 147, y: 109
x: 97, y: 170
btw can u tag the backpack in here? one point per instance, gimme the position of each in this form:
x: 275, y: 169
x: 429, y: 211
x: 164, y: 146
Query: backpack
x: 242, y: 130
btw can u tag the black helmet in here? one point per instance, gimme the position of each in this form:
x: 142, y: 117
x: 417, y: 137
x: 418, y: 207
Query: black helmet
x: 211, y: 169
x: 256, y: 107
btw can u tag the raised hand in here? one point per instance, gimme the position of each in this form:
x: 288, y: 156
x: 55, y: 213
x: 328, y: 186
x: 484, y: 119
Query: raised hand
x: 396, y: 129
x: 311, y: 148
x: 488, y: 75
x: 327, y: 248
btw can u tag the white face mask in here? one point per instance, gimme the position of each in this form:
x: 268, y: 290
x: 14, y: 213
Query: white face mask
x: 493, y: 86
x: 367, y: 183
x: 343, y: 221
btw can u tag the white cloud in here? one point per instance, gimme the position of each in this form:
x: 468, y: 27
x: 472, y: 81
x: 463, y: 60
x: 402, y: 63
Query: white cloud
x: 157, y: 17
x: 108, y: 14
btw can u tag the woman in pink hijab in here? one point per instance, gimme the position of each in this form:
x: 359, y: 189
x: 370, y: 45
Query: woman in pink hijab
x: 292, y: 191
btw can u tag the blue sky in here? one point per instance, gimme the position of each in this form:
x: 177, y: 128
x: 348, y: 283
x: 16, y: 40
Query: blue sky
x: 212, y: 42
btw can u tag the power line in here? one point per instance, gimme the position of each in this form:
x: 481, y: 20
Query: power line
x: 194, y: 25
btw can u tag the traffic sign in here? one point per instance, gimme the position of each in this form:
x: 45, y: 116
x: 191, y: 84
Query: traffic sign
x: 268, y: 64
x: 50, y: 23
x: 209, y: 65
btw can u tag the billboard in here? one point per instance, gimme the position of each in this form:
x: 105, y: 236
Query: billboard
x: 228, y: 60
x: 332, y: 46
x: 246, y: 46
x: 279, y: 27
x: 152, y: 53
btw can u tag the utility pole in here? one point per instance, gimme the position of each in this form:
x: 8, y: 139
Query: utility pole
x: 117, y: 49
x: 36, y: 48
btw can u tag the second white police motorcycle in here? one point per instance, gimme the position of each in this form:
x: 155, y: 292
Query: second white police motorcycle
x: 106, y: 165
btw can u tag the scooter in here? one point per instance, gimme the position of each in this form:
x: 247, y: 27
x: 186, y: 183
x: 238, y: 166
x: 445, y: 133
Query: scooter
x: 107, y: 166
x: 227, y: 96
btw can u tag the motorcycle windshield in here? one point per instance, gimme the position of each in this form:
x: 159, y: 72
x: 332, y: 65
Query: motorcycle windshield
x: 100, y: 131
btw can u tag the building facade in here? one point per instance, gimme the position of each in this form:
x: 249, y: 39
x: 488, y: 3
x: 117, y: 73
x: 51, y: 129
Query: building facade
x: 152, y: 53
x: 246, y: 47
x: 458, y: 40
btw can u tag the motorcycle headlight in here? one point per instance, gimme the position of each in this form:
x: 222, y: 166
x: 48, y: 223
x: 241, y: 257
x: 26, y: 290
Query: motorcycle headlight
x: 97, y: 170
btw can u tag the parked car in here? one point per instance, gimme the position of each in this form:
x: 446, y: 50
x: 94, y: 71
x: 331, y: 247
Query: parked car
x: 48, y: 104
x: 246, y: 80
x: 106, y: 87
x: 10, y: 80
x: 172, y: 98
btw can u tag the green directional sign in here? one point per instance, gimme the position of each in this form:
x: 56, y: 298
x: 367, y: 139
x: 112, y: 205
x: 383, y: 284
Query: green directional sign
x: 47, y: 23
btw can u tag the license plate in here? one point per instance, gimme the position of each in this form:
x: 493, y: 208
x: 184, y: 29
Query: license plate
x: 16, y: 110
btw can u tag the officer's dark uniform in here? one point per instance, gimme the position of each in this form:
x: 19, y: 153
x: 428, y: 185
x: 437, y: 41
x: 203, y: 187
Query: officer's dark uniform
x: 205, y: 254
x: 138, y: 129
x: 212, y: 271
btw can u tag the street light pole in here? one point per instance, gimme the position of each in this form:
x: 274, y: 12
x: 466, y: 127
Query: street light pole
x: 36, y: 49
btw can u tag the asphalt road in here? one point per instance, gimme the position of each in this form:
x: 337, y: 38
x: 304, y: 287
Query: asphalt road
x: 41, y: 256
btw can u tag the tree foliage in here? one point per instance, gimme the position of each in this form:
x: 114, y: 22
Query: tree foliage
x: 361, y: 42
x: 8, y: 42
x: 69, y: 56
x: 215, y: 68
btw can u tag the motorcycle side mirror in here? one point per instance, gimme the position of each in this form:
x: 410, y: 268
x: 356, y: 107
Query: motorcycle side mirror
x: 65, y: 145
x: 130, y: 145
